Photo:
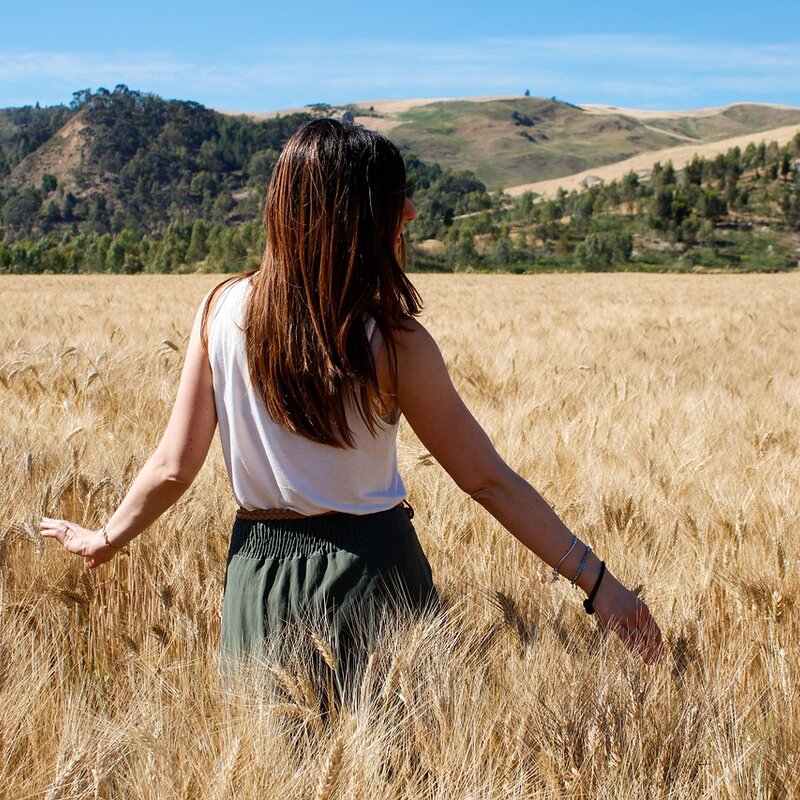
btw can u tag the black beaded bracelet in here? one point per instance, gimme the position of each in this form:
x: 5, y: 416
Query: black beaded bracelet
x: 587, y: 603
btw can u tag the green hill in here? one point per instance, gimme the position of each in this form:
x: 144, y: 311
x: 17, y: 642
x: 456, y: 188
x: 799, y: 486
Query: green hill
x: 127, y: 159
x: 507, y: 142
x: 125, y: 181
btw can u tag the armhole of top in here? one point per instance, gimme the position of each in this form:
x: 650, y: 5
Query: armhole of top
x: 374, y: 336
x: 215, y: 299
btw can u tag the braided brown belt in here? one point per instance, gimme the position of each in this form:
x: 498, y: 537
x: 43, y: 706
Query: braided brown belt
x: 276, y: 513
x: 256, y: 514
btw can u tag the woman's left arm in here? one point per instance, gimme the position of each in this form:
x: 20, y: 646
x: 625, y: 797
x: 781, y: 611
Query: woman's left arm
x: 167, y: 474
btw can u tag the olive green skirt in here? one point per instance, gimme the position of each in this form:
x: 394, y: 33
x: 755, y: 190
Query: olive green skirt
x: 341, y: 575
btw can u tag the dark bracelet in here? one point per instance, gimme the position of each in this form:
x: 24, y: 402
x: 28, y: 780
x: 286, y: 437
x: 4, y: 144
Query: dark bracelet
x: 587, y: 603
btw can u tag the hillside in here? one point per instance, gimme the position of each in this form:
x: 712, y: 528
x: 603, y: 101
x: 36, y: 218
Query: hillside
x: 511, y: 141
x: 127, y: 159
x: 23, y: 130
x: 125, y: 181
x: 146, y: 183
x: 61, y: 156
x: 643, y: 163
x: 737, y: 211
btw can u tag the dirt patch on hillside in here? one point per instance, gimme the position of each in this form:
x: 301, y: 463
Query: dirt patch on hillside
x: 59, y: 156
x: 380, y: 124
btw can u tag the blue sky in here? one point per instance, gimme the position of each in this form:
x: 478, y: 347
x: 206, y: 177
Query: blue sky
x: 264, y: 56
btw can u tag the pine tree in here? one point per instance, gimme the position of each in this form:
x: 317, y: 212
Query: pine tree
x: 198, y: 244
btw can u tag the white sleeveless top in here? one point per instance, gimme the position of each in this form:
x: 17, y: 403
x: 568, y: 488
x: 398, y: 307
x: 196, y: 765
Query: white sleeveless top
x: 271, y: 467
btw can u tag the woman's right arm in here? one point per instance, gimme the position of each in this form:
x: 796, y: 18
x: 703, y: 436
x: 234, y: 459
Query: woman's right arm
x: 165, y: 476
x: 445, y: 426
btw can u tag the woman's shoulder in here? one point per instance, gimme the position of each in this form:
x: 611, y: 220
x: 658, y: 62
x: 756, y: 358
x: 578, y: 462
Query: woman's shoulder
x: 413, y: 347
x: 412, y: 339
x: 416, y: 354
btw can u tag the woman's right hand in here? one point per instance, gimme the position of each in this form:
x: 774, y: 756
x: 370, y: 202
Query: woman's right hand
x: 621, y: 611
x: 90, y: 545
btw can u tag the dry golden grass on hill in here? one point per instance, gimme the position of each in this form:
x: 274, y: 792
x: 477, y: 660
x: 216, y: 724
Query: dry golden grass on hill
x: 657, y: 413
x: 678, y: 156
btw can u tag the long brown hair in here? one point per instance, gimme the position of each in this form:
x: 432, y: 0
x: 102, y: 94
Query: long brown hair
x: 332, y: 214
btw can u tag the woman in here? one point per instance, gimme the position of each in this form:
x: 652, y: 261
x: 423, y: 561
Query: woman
x: 306, y: 365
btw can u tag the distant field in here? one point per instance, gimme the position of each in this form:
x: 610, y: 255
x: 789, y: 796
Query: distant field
x: 657, y: 413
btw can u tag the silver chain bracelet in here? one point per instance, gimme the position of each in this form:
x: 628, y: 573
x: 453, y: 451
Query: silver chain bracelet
x: 582, y: 565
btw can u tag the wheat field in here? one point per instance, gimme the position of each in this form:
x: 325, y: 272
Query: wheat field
x: 657, y: 413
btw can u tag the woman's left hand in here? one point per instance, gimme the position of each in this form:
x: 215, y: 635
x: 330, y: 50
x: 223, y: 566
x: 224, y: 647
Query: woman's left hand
x: 90, y: 545
x: 620, y: 610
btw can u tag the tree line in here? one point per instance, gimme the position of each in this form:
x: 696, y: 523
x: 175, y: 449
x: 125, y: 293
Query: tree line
x: 702, y: 215
x: 169, y: 186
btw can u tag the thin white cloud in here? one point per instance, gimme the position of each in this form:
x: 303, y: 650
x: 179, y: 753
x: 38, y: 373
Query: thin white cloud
x: 601, y: 68
x: 77, y: 66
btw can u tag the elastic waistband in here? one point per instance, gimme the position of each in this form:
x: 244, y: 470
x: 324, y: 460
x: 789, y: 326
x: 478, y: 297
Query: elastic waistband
x: 324, y: 533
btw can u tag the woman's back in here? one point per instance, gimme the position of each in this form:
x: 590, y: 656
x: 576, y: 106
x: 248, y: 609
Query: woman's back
x: 271, y: 467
